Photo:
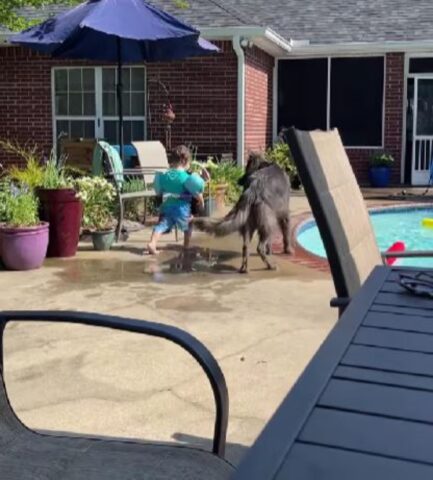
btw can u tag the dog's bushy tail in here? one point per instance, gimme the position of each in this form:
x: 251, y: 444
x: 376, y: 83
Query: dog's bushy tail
x: 232, y: 222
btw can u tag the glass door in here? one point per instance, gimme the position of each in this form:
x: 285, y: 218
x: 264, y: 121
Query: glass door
x: 422, y: 147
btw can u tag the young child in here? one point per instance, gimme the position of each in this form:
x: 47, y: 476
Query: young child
x: 177, y: 188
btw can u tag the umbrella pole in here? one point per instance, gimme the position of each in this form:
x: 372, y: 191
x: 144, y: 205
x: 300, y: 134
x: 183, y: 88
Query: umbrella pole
x: 119, y: 94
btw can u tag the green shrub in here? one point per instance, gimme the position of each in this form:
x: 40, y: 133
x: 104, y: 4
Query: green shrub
x: 23, y: 210
x: 97, y: 195
x: 281, y: 155
x: 381, y: 159
x: 4, y: 198
x: 19, y: 206
x: 134, y: 208
x: 35, y: 174
x: 224, y: 172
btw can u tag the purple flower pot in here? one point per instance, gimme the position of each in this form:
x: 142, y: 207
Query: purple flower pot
x: 24, y: 248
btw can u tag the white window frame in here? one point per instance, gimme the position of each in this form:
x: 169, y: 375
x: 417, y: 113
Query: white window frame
x: 407, y: 58
x: 328, y: 94
x: 98, y: 118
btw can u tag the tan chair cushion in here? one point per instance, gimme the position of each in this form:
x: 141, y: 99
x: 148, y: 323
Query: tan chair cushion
x: 152, y: 156
x: 340, y: 200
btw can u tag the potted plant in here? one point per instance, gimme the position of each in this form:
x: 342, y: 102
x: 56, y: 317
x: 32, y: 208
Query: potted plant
x: 380, y: 169
x: 223, y: 185
x: 23, y: 237
x: 281, y: 155
x: 97, y: 195
x: 58, y: 203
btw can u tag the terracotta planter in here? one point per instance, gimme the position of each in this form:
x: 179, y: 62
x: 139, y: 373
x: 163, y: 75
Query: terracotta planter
x: 103, y: 240
x: 220, y: 193
x: 64, y: 211
x: 24, y: 248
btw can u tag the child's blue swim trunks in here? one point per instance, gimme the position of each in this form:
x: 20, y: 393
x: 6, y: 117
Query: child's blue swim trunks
x: 174, y: 215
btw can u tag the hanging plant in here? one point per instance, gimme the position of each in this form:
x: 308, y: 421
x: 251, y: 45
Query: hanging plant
x: 168, y: 114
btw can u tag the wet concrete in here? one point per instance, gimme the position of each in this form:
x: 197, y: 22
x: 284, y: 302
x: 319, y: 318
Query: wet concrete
x: 262, y: 327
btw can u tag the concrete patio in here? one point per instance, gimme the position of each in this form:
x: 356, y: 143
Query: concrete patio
x: 263, y: 328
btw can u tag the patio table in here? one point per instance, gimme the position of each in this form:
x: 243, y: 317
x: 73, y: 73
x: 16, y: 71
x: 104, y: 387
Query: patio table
x: 363, y: 408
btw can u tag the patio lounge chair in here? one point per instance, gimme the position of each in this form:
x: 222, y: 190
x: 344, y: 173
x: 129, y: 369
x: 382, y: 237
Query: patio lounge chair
x: 26, y: 454
x: 152, y: 157
x: 339, y: 209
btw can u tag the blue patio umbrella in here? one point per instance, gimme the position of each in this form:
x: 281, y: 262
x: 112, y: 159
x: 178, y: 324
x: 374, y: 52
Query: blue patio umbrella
x: 126, y: 31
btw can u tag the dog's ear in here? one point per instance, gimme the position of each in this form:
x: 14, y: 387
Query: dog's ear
x: 255, y: 159
x: 264, y: 164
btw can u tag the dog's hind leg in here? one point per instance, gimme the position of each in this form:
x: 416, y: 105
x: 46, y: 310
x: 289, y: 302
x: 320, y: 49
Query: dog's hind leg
x: 246, y: 235
x: 261, y: 250
x: 284, y: 223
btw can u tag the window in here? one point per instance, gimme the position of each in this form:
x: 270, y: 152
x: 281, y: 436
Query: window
x: 85, y: 103
x: 421, y: 65
x: 74, y: 102
x: 357, y: 100
x: 353, y: 103
x: 302, y: 90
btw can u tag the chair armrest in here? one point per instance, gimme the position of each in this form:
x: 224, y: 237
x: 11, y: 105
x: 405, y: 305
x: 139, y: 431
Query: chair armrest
x: 143, y: 170
x: 185, y: 340
x: 340, y: 302
x: 408, y: 254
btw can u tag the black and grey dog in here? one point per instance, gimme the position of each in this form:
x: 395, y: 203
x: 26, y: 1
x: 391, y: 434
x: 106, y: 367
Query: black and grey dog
x: 263, y: 206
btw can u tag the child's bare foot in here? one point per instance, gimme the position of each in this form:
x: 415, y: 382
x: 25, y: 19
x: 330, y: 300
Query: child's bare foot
x: 151, y: 248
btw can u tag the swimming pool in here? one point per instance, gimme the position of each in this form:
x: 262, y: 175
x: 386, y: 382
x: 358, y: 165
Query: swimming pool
x: 390, y: 225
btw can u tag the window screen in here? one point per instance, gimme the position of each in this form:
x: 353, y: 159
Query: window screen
x: 357, y: 100
x: 302, y: 90
x: 421, y: 65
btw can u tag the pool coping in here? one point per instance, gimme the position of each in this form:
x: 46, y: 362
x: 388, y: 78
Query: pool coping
x: 307, y: 258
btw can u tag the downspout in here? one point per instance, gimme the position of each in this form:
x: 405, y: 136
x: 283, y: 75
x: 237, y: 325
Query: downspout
x: 240, y: 131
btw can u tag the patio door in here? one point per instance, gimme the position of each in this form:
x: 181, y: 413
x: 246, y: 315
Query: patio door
x: 422, y: 145
x: 85, y: 105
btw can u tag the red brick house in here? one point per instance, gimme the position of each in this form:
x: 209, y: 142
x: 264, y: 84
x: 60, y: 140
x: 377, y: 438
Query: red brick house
x: 347, y: 64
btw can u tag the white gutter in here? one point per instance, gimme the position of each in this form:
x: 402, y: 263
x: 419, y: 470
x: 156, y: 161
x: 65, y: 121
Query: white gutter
x: 265, y: 38
x: 240, y: 131
x: 304, y: 49
x: 275, y: 102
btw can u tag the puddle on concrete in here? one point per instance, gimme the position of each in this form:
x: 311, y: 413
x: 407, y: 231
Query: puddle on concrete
x: 199, y: 267
x: 168, y: 267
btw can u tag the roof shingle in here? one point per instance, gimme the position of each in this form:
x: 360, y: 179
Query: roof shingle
x: 319, y: 21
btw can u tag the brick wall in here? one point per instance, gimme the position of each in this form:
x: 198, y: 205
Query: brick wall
x: 394, y: 91
x: 25, y: 98
x: 259, y: 68
x: 203, y: 92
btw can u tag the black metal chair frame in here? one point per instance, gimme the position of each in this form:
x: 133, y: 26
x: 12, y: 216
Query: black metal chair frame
x: 181, y: 338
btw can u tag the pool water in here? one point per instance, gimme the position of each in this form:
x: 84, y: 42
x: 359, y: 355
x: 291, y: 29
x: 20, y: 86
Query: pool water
x: 392, y: 225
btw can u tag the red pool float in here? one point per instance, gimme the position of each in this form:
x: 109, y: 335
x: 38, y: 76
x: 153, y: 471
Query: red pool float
x: 395, y: 247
